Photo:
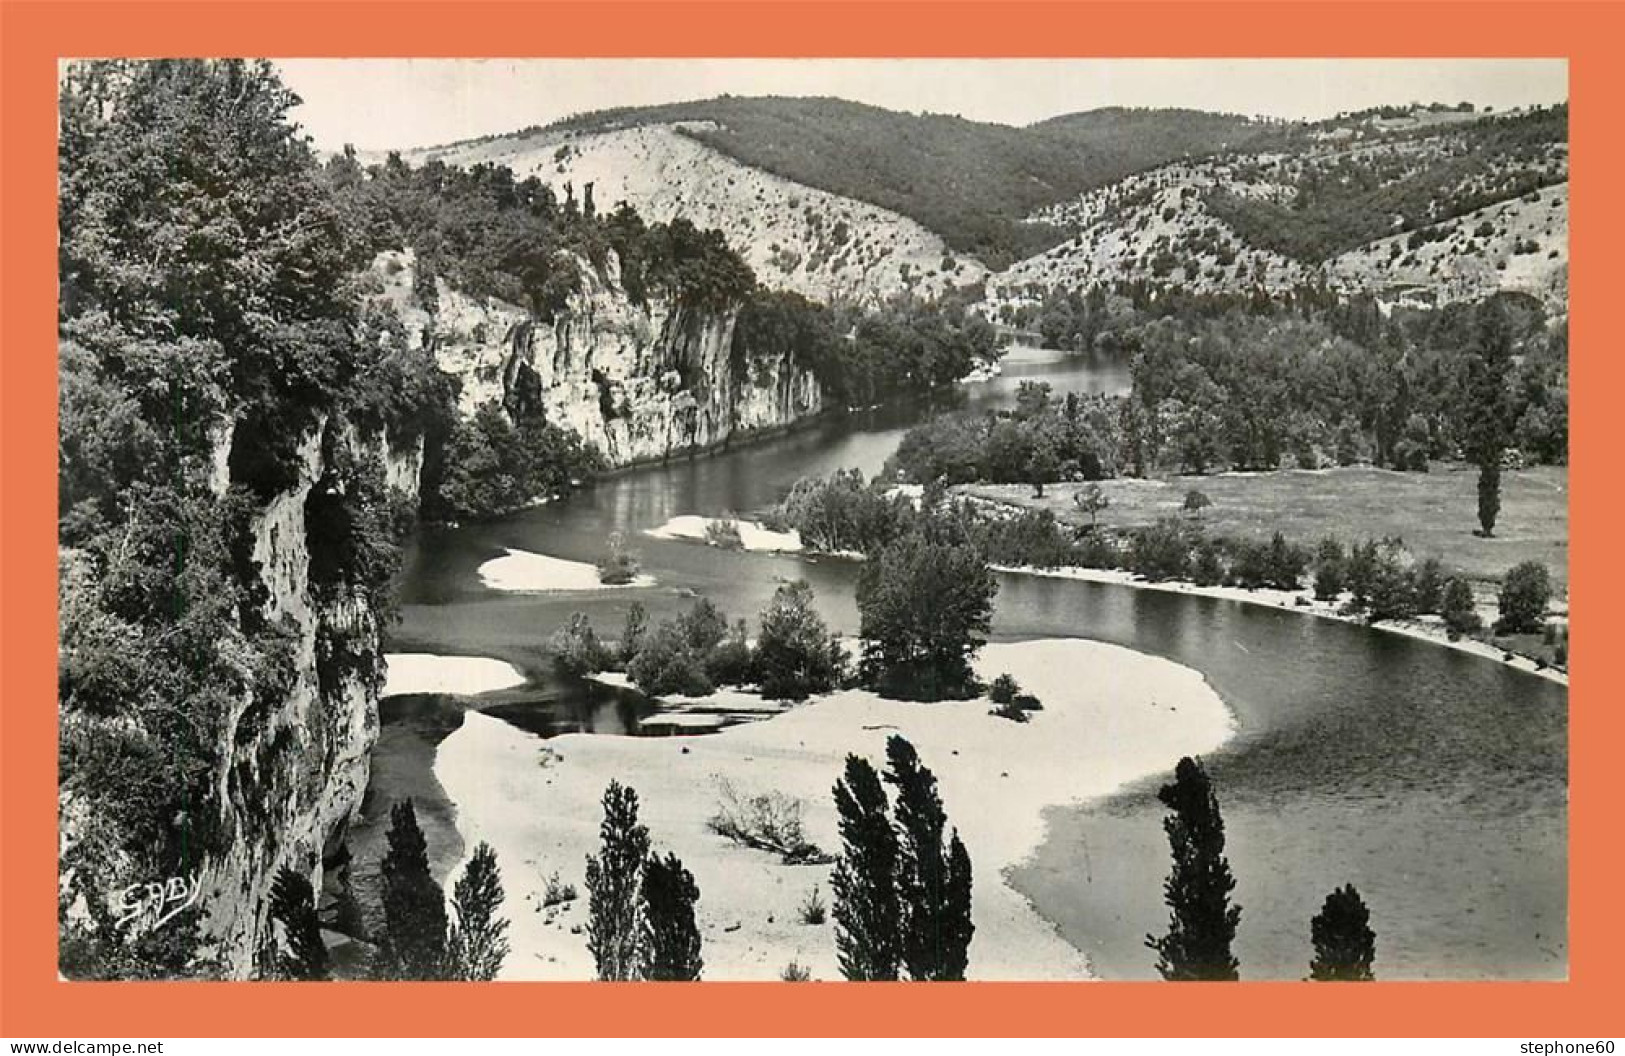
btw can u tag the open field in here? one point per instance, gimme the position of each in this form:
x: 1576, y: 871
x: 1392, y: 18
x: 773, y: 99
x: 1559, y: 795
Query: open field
x: 1435, y: 513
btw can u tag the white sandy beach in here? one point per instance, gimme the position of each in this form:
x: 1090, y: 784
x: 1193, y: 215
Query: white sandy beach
x: 432, y: 673
x: 1303, y: 602
x: 1110, y: 716
x: 752, y: 536
x: 523, y: 571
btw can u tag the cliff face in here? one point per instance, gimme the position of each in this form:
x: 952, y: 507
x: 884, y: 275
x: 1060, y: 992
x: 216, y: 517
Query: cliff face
x: 639, y: 382
x: 296, y: 766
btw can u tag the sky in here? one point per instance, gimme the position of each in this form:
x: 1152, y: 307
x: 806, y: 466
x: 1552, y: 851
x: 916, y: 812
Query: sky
x: 400, y: 103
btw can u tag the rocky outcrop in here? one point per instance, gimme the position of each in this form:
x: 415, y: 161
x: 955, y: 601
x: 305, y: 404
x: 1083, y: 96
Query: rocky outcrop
x: 640, y: 382
x: 297, y: 764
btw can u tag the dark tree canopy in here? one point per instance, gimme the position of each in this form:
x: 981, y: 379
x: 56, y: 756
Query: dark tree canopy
x: 669, y: 938
x: 933, y: 875
x: 293, y: 905
x: 1202, y: 921
x: 479, y: 941
x: 867, y: 915
x: 415, y: 940
x: 614, y: 876
x: 925, y: 608
x: 1345, y: 945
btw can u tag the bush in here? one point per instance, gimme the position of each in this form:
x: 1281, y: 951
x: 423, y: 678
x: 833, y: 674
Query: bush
x: 1009, y: 711
x: 812, y: 910
x: 770, y: 821
x: 556, y: 892
x: 576, y: 649
x: 1525, y: 593
x: 724, y: 532
x: 796, y: 654
x: 729, y: 662
x: 1003, y: 690
x: 665, y: 664
x: 795, y: 973
x: 1329, y: 570
x: 620, y: 566
x: 1027, y: 702
x: 1459, y: 609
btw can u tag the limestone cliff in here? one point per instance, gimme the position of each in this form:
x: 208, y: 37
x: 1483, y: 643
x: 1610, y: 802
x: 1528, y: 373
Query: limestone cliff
x: 641, y: 382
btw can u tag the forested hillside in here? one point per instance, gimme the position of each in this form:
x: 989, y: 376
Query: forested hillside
x: 968, y: 181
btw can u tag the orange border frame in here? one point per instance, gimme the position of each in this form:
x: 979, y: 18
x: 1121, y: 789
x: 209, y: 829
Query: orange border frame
x: 35, y: 1003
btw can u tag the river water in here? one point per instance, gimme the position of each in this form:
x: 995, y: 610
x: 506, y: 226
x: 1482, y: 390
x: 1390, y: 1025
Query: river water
x: 1436, y: 782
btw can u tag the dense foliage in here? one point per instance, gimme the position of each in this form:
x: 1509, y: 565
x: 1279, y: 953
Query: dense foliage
x: 212, y: 343
x: 902, y: 890
x: 1202, y: 921
x: 1345, y: 945
x: 898, y: 160
x: 1222, y: 384
x: 925, y: 608
x: 1363, y: 196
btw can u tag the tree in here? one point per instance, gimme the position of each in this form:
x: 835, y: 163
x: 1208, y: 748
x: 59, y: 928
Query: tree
x: 933, y: 878
x: 632, y: 631
x: 1196, y: 502
x: 1202, y: 922
x: 796, y: 655
x: 1344, y: 943
x: 613, y: 879
x: 577, y: 652
x: 1459, y: 609
x: 868, y: 941
x: 1525, y: 593
x: 669, y: 938
x: 293, y: 905
x: 1044, y: 464
x: 1329, y: 570
x: 1488, y: 407
x: 479, y: 941
x: 1091, y: 500
x: 924, y: 610
x: 414, y: 944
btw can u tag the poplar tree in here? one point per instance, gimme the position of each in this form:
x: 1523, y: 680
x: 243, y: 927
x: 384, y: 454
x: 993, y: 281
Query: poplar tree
x: 479, y: 941
x: 414, y: 945
x: 614, y: 876
x: 1488, y: 408
x: 865, y: 909
x: 668, y: 937
x: 1202, y: 922
x: 933, y: 877
x: 293, y: 905
x: 1345, y: 945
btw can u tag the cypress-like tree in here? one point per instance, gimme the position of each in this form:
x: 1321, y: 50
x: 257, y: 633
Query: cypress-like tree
x: 613, y: 879
x: 1488, y: 407
x: 1202, y: 922
x: 668, y: 937
x: 293, y: 905
x: 1345, y: 945
x: 414, y: 945
x: 479, y: 940
x: 933, y: 879
x: 868, y: 942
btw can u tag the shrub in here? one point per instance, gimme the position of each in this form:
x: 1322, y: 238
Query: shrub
x: 1027, y: 702
x: 724, y: 532
x: 770, y: 821
x: 1459, y: 610
x: 812, y: 910
x: 576, y: 648
x: 620, y: 566
x: 1525, y: 593
x: 729, y: 662
x: 795, y: 973
x: 666, y: 664
x: 1329, y: 570
x: 1009, y: 711
x: 1003, y: 690
x: 556, y: 892
x: 1428, y: 584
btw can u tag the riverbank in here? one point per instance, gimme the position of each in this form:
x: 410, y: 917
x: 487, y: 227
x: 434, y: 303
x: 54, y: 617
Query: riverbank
x: 1110, y: 716
x: 1426, y: 628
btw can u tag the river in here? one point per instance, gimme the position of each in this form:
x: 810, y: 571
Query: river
x: 1435, y: 781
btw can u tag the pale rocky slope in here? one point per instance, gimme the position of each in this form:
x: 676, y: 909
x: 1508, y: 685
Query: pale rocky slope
x: 794, y: 237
